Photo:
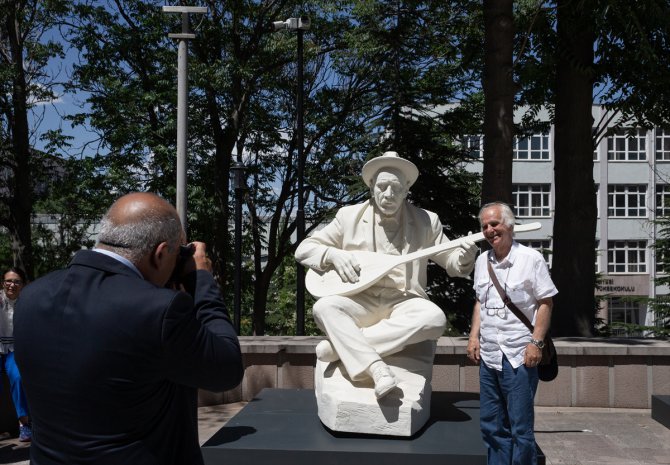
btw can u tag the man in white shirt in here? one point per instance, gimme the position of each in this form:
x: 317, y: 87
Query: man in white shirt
x: 508, y: 352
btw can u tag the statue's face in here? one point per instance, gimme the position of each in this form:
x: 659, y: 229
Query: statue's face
x: 389, y: 191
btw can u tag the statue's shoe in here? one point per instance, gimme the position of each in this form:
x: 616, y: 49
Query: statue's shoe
x: 325, y: 352
x: 384, y: 379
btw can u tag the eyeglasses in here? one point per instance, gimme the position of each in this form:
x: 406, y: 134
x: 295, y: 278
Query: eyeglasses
x: 493, y: 310
x: 15, y: 282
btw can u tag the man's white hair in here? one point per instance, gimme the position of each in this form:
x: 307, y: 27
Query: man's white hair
x: 508, y: 218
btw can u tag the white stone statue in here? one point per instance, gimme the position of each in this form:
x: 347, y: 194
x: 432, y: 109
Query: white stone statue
x: 365, y: 358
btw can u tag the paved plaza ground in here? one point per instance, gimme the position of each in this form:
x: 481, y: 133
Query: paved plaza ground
x: 568, y: 436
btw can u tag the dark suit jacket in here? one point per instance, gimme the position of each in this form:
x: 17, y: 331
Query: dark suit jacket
x: 110, y: 363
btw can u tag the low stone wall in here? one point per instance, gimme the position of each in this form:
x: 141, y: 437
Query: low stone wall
x: 615, y: 373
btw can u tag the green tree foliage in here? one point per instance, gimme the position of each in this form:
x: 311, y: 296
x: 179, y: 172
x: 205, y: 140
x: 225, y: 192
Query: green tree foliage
x: 379, y: 75
x: 421, y: 57
x: 661, y: 304
x: 25, y: 82
x: 281, y: 314
x: 632, y: 63
x: 572, y: 54
x: 64, y: 217
x: 241, y: 105
x: 371, y: 69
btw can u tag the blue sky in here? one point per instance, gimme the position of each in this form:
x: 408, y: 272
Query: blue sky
x: 45, y: 116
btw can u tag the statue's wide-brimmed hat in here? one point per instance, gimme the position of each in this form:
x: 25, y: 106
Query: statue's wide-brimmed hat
x: 390, y: 160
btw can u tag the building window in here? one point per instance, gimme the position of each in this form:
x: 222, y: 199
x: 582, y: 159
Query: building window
x: 662, y: 200
x: 531, y: 200
x: 662, y: 144
x: 624, y: 147
x: 475, y: 146
x: 662, y: 263
x: 541, y: 246
x: 626, y: 256
x: 626, y: 201
x: 535, y: 147
x: 623, y: 312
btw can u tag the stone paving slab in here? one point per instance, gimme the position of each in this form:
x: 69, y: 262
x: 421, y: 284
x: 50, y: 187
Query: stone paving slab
x: 592, y: 436
x: 568, y: 436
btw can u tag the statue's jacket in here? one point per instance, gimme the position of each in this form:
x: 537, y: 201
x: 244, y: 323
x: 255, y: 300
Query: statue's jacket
x: 353, y: 230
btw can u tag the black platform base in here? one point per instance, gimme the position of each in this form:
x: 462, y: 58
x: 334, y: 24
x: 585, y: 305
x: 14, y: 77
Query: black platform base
x: 281, y: 427
x: 660, y: 409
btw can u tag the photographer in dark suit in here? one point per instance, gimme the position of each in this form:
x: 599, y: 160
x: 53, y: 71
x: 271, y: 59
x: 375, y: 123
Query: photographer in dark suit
x: 111, y: 358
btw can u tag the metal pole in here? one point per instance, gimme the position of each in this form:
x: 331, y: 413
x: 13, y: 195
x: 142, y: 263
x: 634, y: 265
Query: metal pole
x: 300, y: 25
x: 238, y: 169
x: 182, y: 99
x: 182, y: 120
x: 300, y: 217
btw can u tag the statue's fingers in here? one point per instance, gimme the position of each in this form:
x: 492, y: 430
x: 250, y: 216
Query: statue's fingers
x: 353, y: 274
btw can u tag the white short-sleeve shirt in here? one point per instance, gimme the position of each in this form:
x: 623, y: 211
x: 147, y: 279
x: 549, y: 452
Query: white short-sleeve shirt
x: 524, y: 276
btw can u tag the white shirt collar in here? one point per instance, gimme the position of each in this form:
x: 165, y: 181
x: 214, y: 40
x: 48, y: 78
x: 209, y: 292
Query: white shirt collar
x: 121, y: 259
x: 508, y: 260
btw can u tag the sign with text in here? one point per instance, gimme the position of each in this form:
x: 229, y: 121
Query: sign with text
x: 624, y: 285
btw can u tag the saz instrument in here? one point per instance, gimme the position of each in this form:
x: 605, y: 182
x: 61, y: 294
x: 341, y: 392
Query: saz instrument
x: 374, y: 266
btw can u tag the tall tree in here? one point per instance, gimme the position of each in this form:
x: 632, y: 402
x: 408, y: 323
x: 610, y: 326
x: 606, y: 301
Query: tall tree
x: 619, y: 46
x: 24, y: 54
x: 575, y: 216
x: 242, y: 93
x: 498, y: 85
x: 419, y: 58
x: 660, y: 304
x: 577, y: 53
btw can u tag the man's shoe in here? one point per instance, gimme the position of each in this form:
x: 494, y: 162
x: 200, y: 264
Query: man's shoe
x: 325, y: 352
x: 25, y: 433
x: 383, y: 377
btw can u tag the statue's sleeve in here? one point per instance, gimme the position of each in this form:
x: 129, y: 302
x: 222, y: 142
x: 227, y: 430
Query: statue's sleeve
x: 449, y: 259
x: 312, y: 250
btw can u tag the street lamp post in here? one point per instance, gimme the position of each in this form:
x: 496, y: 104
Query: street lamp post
x: 182, y: 99
x: 300, y: 25
x: 239, y: 185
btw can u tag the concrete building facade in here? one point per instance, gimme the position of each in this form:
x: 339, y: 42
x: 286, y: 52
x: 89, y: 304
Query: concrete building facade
x: 632, y: 175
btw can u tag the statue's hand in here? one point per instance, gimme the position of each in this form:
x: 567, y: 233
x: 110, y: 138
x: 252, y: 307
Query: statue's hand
x: 345, y: 264
x: 469, y: 253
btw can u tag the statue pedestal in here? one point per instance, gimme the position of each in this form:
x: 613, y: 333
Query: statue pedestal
x: 281, y: 427
x: 351, y: 407
x: 660, y: 409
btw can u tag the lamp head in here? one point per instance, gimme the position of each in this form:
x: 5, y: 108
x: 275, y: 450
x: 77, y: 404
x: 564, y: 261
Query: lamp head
x: 302, y: 23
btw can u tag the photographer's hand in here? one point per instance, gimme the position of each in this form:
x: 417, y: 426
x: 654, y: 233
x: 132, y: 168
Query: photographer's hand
x: 199, y: 260
x: 200, y: 257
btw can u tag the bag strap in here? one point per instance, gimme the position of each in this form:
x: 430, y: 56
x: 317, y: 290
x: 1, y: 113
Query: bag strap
x: 506, y: 300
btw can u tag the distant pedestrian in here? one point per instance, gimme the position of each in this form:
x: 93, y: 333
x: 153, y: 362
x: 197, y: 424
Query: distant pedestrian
x: 13, y: 281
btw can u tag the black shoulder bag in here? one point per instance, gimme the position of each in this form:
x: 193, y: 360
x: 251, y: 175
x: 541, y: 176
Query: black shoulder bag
x: 548, y: 368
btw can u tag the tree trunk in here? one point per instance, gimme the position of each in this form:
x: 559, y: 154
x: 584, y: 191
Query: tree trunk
x: 574, y: 256
x: 20, y: 204
x: 498, y: 87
